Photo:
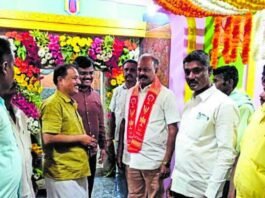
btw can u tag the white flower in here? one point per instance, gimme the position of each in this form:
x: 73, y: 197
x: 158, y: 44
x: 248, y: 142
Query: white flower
x: 109, y: 55
x: 98, y: 57
x: 51, y: 61
x: 46, y: 49
x: 41, y: 52
x: 48, y: 56
x: 43, y: 61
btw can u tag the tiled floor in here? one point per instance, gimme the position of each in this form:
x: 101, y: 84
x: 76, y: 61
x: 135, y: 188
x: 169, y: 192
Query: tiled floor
x: 103, y: 188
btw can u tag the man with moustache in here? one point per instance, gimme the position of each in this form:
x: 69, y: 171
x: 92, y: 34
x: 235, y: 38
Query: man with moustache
x: 117, y: 108
x: 205, y: 145
x: 65, y: 140
x: 10, y: 159
x: 249, y: 177
x: 91, y: 111
x: 151, y: 126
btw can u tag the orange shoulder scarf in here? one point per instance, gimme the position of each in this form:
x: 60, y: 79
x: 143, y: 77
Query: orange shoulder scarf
x: 136, y: 130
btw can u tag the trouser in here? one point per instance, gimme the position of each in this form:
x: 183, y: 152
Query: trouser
x: 66, y: 189
x: 90, y: 179
x: 144, y: 183
x: 121, y: 187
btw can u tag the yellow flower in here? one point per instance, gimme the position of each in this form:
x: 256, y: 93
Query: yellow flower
x: 109, y: 94
x: 82, y: 42
x: 76, y: 49
x: 62, y: 38
x: 76, y: 39
x: 16, y: 71
x: 69, y: 41
x: 120, y: 78
x: 63, y: 43
x: 20, y: 78
x: 23, y: 83
x: 89, y: 41
x: 37, y: 83
x: 30, y: 87
x: 39, y: 90
x: 113, y: 82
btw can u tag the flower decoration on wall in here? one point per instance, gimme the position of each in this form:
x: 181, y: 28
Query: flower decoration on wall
x: 114, y: 78
x: 71, y: 47
x: 36, y: 50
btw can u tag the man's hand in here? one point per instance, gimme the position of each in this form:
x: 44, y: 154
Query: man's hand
x: 102, y: 156
x: 164, y: 171
x: 87, y: 140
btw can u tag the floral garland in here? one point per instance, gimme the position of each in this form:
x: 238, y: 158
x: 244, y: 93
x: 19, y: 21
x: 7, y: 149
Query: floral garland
x: 227, y: 38
x: 216, y: 41
x: 185, y: 8
x: 259, y: 47
x: 218, y: 7
x: 115, y: 78
x: 236, y: 33
x: 250, y: 5
x: 36, y: 49
x: 247, y: 37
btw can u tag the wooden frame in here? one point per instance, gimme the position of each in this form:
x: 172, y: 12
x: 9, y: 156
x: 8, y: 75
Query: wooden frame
x: 70, y: 24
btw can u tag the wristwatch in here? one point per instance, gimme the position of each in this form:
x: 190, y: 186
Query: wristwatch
x: 166, y: 163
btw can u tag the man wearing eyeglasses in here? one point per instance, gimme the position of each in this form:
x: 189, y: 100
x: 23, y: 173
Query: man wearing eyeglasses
x: 91, y: 111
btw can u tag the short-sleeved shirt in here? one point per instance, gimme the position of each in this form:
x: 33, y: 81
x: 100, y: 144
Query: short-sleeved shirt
x: 10, y: 159
x: 63, y: 161
x: 250, y: 171
x: 117, y: 106
x: 163, y: 113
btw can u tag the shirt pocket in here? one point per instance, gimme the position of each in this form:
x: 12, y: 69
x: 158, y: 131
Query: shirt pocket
x: 197, y: 125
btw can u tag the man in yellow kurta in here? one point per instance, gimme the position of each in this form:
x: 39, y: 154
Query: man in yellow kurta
x: 66, y: 143
x: 250, y: 171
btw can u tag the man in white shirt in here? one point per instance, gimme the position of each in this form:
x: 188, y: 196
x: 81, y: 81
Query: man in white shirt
x: 117, y: 108
x: 19, y: 124
x: 150, y: 129
x: 205, y: 145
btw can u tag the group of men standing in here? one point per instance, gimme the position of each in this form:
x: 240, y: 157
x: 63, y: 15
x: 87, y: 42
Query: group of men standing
x: 147, y: 129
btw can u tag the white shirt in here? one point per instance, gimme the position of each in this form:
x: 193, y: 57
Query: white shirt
x: 23, y: 140
x: 117, y: 105
x: 164, y: 112
x: 205, y: 145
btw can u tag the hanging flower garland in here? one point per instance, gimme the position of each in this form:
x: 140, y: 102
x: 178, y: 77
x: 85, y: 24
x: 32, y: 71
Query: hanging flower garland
x: 247, y: 4
x: 227, y: 38
x: 259, y: 39
x: 218, y: 7
x: 185, y: 8
x: 236, y: 34
x: 247, y: 37
x: 216, y: 41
